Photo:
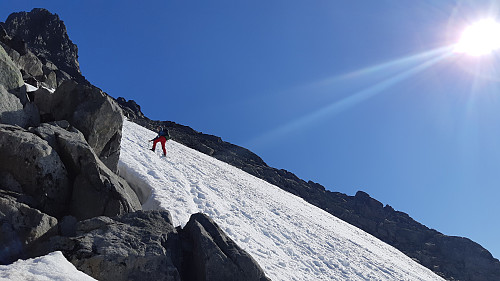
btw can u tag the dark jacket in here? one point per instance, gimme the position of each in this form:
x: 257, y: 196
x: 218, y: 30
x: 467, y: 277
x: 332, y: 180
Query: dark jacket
x: 162, y: 133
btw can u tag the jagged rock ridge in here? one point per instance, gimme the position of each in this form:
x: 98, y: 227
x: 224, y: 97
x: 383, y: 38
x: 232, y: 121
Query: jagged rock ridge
x: 454, y: 258
x: 46, y: 36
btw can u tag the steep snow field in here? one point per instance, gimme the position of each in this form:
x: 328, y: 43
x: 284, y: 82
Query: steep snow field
x: 52, y: 267
x: 289, y: 238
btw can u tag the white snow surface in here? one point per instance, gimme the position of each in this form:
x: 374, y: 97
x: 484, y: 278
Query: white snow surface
x: 290, y: 238
x: 51, y: 267
x: 31, y: 88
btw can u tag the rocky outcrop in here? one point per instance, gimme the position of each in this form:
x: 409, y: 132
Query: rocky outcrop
x: 91, y: 111
x: 36, y: 168
x: 13, y: 112
x: 96, y: 190
x: 130, y: 108
x: 146, y: 246
x: 56, y: 166
x: 137, y: 246
x: 20, y: 226
x: 10, y: 76
x: 45, y: 35
x: 212, y: 255
x: 39, y: 46
x: 15, y: 109
x: 454, y: 258
x: 11, y: 109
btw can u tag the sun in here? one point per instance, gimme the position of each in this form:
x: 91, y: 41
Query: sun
x: 480, y: 38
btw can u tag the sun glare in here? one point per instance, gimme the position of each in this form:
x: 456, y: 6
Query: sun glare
x: 480, y: 38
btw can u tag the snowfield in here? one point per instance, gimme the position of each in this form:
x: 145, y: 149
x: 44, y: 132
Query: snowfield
x: 51, y: 267
x: 290, y: 238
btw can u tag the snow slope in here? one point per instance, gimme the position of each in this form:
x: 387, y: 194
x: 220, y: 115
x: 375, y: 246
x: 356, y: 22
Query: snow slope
x: 51, y: 267
x: 289, y: 238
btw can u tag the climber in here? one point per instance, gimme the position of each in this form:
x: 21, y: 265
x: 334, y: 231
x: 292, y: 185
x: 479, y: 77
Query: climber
x: 162, y: 137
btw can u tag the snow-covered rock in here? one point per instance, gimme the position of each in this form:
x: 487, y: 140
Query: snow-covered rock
x: 52, y: 267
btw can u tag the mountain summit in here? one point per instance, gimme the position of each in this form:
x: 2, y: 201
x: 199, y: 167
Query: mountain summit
x: 45, y: 35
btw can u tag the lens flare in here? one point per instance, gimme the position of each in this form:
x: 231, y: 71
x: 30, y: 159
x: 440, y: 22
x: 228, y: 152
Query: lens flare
x: 480, y: 38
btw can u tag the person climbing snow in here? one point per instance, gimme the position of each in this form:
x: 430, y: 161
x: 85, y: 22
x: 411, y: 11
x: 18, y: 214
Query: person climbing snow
x: 162, y: 137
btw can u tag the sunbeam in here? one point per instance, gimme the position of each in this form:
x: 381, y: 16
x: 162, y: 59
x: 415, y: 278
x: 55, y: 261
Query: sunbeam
x: 432, y: 57
x: 400, y: 62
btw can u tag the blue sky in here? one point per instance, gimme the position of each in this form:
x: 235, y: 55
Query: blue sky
x: 356, y: 95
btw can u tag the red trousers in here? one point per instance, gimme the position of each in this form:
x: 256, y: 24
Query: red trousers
x: 163, y: 140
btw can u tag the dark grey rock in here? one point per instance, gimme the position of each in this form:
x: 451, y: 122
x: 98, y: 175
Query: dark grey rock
x: 31, y: 115
x: 13, y: 112
x: 20, y: 227
x: 30, y: 64
x: 91, y: 111
x: 45, y: 35
x: 10, y: 76
x: 11, y: 109
x: 144, y: 245
x: 96, y: 190
x: 8, y: 182
x: 67, y: 226
x: 36, y: 167
x: 130, y: 108
x: 135, y: 246
x: 214, y: 256
x: 3, y: 33
x: 50, y: 80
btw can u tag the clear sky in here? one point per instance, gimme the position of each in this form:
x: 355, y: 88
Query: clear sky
x: 353, y: 94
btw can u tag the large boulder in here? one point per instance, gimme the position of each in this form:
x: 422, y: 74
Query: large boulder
x: 135, y: 246
x: 20, y: 226
x: 10, y: 76
x: 15, y: 108
x: 13, y: 112
x: 36, y: 167
x: 91, y: 111
x: 11, y: 109
x: 96, y: 190
x: 213, y: 256
x: 28, y: 63
x: 146, y: 246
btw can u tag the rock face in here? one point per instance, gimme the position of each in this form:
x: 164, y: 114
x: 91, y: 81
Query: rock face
x: 36, y: 167
x: 11, y: 109
x: 454, y: 258
x: 96, y: 190
x: 214, y: 256
x: 10, y: 76
x: 91, y: 111
x: 20, y: 226
x: 13, y: 112
x: 46, y: 36
x: 55, y: 165
x: 146, y: 246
